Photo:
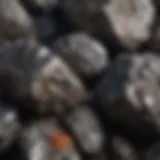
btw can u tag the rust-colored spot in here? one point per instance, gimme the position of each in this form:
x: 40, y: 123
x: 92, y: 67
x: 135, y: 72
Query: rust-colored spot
x: 59, y: 140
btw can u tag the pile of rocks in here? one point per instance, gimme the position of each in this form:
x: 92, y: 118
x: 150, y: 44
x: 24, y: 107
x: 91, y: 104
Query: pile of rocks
x: 79, y: 80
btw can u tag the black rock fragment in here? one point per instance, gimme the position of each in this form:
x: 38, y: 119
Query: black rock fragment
x: 31, y: 72
x: 126, y: 23
x: 45, y: 139
x: 14, y: 20
x: 9, y: 126
x: 120, y: 148
x: 129, y: 94
x: 87, y: 129
x: 83, y: 53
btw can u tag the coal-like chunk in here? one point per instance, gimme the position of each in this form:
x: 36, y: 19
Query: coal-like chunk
x: 85, y: 54
x: 126, y: 23
x: 45, y: 139
x: 120, y: 148
x: 153, y: 153
x: 9, y: 126
x: 86, y: 127
x: 30, y: 71
x: 14, y: 20
x: 129, y: 94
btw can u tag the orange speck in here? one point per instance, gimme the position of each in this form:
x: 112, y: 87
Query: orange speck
x: 59, y: 140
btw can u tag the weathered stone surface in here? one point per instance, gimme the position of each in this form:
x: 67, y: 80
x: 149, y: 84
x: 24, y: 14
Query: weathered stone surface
x: 9, y: 126
x: 129, y: 93
x: 86, y: 127
x: 14, y: 20
x: 83, y: 53
x: 30, y: 71
x: 124, y: 22
x: 45, y: 139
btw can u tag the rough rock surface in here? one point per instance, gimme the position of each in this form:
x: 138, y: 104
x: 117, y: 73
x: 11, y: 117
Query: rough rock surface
x: 90, y: 137
x: 129, y: 93
x: 79, y: 79
x: 9, y: 126
x: 45, y: 139
x: 30, y: 71
x: 15, y: 22
x: 84, y: 54
x: 127, y: 22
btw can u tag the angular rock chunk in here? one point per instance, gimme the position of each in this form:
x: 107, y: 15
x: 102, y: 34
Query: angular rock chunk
x: 126, y: 23
x: 86, y: 127
x: 45, y: 139
x: 131, y: 20
x: 9, y: 126
x: 129, y: 94
x: 14, y: 20
x: 30, y: 71
x: 85, y: 54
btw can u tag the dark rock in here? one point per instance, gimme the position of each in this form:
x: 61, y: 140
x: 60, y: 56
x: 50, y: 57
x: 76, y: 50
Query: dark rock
x: 14, y: 20
x: 45, y: 139
x: 30, y: 71
x: 87, y: 130
x: 122, y: 149
x: 126, y: 23
x: 83, y: 53
x: 129, y: 93
x: 9, y: 126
